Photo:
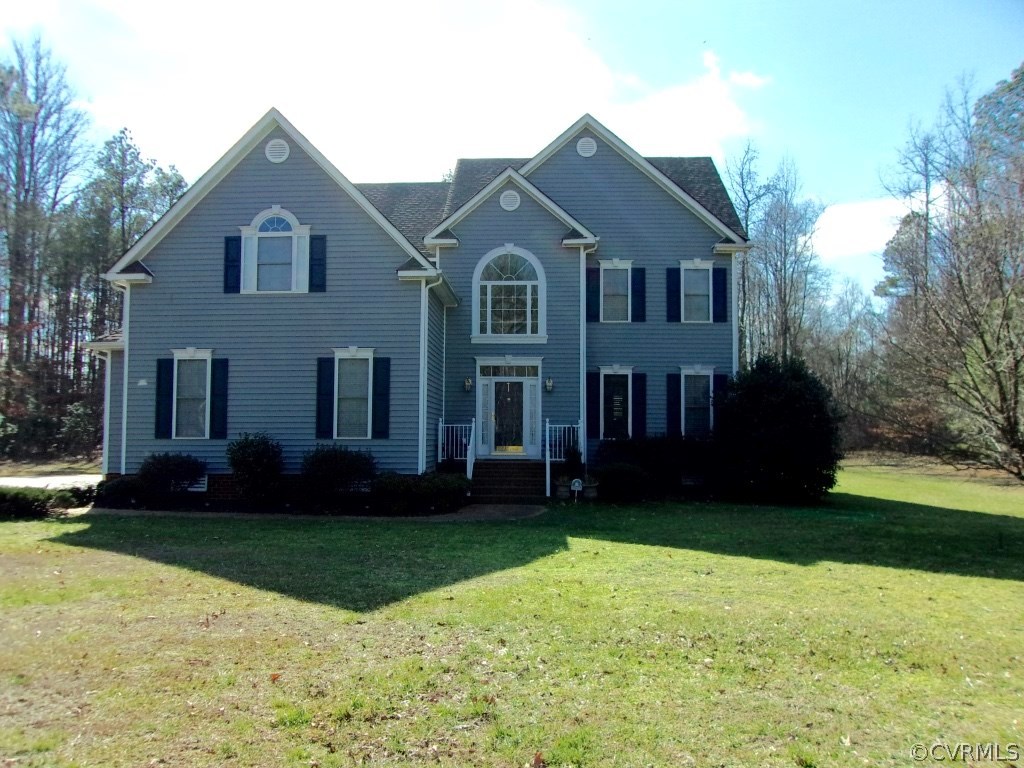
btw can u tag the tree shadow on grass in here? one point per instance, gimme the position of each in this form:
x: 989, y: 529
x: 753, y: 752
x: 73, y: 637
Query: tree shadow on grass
x: 364, y: 565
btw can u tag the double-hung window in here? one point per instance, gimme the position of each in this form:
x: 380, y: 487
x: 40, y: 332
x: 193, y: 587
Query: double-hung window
x: 353, y: 387
x: 275, y: 253
x: 615, y: 293
x: 616, y: 402
x: 508, y: 297
x: 696, y: 290
x: 191, y: 401
x: 698, y: 391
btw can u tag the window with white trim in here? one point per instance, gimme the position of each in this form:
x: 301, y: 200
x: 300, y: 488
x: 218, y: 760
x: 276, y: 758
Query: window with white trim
x: 191, y: 401
x: 698, y: 391
x: 353, y: 385
x: 275, y: 253
x: 696, y: 290
x: 616, y: 402
x: 509, y: 297
x: 615, y: 293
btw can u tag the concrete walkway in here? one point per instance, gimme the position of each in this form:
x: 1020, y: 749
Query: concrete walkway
x: 50, y: 481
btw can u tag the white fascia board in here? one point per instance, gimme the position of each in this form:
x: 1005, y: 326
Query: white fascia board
x: 587, y: 121
x: 104, y: 346
x: 730, y: 248
x: 272, y: 119
x: 509, y: 174
x: 444, y: 289
x: 123, y: 279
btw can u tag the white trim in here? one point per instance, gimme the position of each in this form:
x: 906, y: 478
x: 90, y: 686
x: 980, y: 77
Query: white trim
x: 734, y: 260
x: 191, y: 353
x: 618, y: 370
x: 513, y: 176
x: 227, y: 163
x: 125, y: 318
x: 354, y: 353
x: 108, y: 360
x: 421, y: 458
x: 693, y: 265
x: 588, y: 122
x: 582, y: 308
x: 540, y: 337
x: 299, y: 235
x: 531, y: 450
x: 696, y: 370
x: 624, y: 264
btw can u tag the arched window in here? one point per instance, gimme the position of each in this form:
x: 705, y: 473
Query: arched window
x: 275, y: 253
x: 508, y: 296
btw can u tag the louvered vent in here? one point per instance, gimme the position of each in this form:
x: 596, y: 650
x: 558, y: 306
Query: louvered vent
x: 509, y: 199
x: 586, y: 147
x: 277, y: 150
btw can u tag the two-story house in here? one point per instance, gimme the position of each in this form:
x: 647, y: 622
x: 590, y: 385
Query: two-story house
x: 584, y: 294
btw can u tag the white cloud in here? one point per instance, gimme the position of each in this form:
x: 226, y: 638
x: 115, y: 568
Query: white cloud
x: 851, y: 237
x: 378, y: 87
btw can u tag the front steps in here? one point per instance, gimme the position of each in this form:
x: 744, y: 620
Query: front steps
x: 508, y: 481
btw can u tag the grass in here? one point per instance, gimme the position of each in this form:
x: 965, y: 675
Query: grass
x: 66, y: 466
x: 699, y: 634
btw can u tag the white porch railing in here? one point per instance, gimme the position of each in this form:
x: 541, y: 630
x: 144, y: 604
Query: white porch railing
x: 458, y: 442
x: 558, y: 437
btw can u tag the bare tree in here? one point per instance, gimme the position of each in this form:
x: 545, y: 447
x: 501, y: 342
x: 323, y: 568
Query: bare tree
x: 955, y: 324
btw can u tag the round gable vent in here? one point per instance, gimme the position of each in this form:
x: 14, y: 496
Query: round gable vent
x: 586, y: 147
x: 277, y: 150
x: 509, y: 199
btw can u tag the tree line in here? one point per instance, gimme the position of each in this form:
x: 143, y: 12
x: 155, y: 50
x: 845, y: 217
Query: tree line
x: 68, y: 210
x: 933, y: 362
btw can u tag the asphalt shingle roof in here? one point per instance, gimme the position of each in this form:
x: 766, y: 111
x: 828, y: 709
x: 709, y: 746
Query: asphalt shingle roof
x: 414, y: 208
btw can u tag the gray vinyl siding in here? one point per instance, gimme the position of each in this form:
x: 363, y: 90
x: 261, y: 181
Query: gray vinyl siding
x: 114, y: 398
x: 636, y: 219
x: 273, y: 342
x: 435, y: 375
x: 534, y: 229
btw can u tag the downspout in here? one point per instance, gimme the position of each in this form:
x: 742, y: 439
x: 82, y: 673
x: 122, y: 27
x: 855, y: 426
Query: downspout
x: 421, y: 459
x: 584, y: 250
x: 735, y: 318
x: 108, y: 360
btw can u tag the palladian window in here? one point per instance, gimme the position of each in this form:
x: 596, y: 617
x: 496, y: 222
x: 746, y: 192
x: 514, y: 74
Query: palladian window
x: 509, y: 296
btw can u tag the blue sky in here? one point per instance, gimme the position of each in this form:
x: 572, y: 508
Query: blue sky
x: 398, y: 91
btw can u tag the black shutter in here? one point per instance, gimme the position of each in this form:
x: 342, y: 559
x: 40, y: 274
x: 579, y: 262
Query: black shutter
x: 324, y: 398
x: 673, y: 299
x: 593, y: 405
x: 593, y: 295
x: 219, y: 398
x: 318, y: 264
x: 673, y: 404
x: 720, y: 295
x: 164, y: 397
x: 639, y: 297
x: 232, y: 264
x: 719, y: 390
x: 381, y: 396
x: 639, y: 405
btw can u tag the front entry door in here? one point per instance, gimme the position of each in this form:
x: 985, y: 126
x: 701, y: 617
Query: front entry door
x: 508, y: 417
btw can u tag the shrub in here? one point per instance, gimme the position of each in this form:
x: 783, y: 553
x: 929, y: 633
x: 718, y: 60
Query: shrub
x: 257, y: 463
x: 573, y: 467
x: 665, y: 460
x: 332, y: 475
x: 120, y: 493
x: 166, y: 477
x: 624, y: 483
x: 413, y: 495
x: 24, y: 503
x: 777, y: 431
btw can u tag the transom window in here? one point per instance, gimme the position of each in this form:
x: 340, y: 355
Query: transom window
x: 275, y: 254
x: 696, y: 276
x: 509, y: 296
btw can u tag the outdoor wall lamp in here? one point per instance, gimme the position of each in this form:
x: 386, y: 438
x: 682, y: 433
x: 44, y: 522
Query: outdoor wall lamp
x: 468, y: 384
x: 549, y: 385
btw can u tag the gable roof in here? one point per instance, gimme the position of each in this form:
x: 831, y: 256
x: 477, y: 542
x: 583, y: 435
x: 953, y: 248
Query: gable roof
x: 577, y: 232
x: 696, y: 176
x: 413, y: 207
x: 271, y: 120
x: 658, y: 176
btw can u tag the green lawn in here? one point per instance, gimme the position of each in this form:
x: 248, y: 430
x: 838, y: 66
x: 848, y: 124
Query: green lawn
x: 669, y: 635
